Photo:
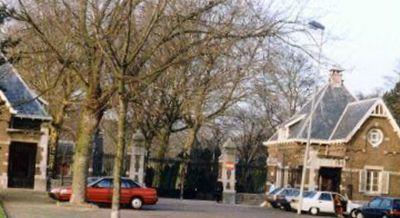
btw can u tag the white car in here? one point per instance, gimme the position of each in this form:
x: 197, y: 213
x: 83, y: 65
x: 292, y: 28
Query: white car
x: 322, y: 202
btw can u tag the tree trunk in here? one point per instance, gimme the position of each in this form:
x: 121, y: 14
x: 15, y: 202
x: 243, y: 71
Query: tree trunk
x: 164, y: 136
x: 119, y: 156
x: 89, y: 121
x: 190, y: 140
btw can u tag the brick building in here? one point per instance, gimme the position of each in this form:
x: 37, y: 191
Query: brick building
x: 23, y: 133
x: 355, y: 145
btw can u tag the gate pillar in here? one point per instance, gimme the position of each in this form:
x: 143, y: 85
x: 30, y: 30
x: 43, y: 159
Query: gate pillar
x: 227, y: 172
x: 136, y: 168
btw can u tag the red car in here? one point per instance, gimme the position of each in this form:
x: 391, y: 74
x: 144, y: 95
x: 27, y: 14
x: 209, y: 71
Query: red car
x: 100, y: 191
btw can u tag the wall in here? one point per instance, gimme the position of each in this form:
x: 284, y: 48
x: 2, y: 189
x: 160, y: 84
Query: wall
x: 360, y: 154
x: 250, y: 199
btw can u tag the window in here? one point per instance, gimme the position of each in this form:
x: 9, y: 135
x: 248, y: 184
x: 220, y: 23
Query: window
x: 375, y: 137
x: 25, y: 124
x: 386, y: 203
x: 396, y: 204
x: 372, y: 183
x: 309, y: 194
x: 274, y: 192
x: 127, y: 183
x: 375, y: 203
x: 105, y: 183
x: 325, y: 197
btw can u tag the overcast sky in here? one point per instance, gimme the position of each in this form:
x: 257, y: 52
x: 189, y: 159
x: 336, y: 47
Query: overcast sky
x: 366, y: 39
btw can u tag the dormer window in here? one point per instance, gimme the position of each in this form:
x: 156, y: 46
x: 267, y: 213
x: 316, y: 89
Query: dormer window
x: 283, y: 133
x: 379, y: 110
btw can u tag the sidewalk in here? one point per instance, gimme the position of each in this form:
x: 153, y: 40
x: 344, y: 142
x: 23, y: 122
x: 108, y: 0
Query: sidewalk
x: 19, y: 203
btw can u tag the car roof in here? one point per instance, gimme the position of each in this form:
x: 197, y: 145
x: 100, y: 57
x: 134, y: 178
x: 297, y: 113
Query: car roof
x: 391, y: 198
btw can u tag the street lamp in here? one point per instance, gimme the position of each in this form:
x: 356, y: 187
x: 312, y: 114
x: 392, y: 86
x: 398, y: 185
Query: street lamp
x: 316, y: 26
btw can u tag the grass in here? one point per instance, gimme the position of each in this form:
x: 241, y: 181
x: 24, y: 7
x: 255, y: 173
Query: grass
x: 2, y: 213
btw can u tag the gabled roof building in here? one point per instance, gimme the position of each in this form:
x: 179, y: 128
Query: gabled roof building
x: 354, y: 144
x: 23, y: 133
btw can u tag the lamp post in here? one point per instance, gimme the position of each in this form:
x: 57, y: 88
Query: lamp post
x: 316, y: 26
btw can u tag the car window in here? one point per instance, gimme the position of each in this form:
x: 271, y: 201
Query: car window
x: 325, y: 197
x: 375, y: 202
x: 386, y: 203
x: 296, y: 192
x: 284, y: 192
x: 104, y: 183
x: 309, y: 194
x: 396, y: 204
x: 293, y: 192
x: 275, y: 191
x: 127, y: 183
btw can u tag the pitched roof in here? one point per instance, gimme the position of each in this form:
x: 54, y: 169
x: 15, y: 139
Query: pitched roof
x: 22, y: 101
x: 351, y: 117
x: 330, y: 103
x: 336, y: 114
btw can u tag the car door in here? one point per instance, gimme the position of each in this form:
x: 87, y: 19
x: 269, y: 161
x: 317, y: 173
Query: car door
x: 386, y: 205
x: 372, y: 209
x: 100, y: 192
x: 126, y: 191
x: 325, y: 203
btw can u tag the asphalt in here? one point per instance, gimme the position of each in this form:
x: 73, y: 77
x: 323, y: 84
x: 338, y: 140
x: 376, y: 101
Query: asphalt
x: 21, y: 203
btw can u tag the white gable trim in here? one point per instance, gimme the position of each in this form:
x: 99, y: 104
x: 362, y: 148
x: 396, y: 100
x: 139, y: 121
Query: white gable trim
x: 389, y: 115
x: 7, y: 103
x: 295, y: 120
x: 302, y: 140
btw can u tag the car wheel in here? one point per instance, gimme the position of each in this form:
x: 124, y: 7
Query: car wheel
x: 314, y: 211
x: 353, y: 214
x: 360, y: 215
x: 274, y: 205
x: 136, y: 203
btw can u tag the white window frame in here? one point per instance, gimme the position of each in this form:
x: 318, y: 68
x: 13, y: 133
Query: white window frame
x: 375, y: 174
x: 381, y: 175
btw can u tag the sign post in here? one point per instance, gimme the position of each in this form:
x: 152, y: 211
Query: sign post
x: 227, y: 173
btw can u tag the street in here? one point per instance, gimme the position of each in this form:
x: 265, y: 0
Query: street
x: 20, y: 203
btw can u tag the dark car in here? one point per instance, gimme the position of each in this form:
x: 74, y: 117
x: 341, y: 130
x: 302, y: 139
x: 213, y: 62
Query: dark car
x: 279, y: 196
x: 284, y: 198
x: 271, y: 197
x: 380, y: 207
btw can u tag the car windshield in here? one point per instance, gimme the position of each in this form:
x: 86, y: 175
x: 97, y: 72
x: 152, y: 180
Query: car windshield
x: 309, y: 194
x: 275, y: 191
x: 293, y: 192
x: 396, y: 204
x: 92, y: 179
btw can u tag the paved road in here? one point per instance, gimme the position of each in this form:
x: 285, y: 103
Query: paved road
x: 24, y: 203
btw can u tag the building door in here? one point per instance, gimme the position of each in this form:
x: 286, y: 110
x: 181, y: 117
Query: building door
x: 21, y: 165
x: 329, y: 179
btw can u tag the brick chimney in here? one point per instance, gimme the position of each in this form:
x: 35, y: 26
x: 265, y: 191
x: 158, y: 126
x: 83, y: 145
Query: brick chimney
x: 335, y: 78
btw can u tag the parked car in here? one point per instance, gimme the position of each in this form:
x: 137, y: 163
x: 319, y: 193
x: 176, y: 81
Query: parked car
x: 271, y: 197
x: 323, y: 202
x: 380, y: 207
x: 284, y: 197
x: 100, y: 191
x: 277, y: 197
